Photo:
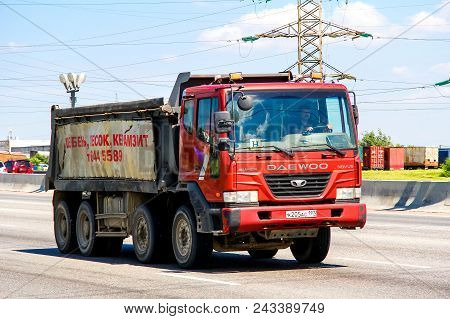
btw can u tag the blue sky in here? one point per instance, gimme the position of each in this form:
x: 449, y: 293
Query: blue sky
x: 146, y: 44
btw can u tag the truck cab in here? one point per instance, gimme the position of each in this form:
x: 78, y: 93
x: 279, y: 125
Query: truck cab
x: 273, y: 163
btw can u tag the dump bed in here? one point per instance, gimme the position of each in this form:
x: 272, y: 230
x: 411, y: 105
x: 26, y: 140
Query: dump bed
x: 129, y: 143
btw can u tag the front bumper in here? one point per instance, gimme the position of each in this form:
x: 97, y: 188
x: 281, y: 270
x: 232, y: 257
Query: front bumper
x: 260, y: 218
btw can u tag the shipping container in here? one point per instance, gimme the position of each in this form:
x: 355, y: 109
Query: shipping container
x: 373, y: 157
x: 444, y: 153
x: 394, y: 158
x: 421, y: 157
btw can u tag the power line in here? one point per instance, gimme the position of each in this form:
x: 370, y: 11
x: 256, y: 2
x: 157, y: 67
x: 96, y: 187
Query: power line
x: 414, y: 39
x: 387, y: 91
x: 115, y: 3
x: 27, y: 99
x: 166, y: 58
x: 408, y: 99
x: 402, y: 110
x: 391, y: 81
x: 140, y: 62
x: 47, y: 93
x: 72, y: 49
x: 155, y: 37
x: 399, y: 35
x: 127, y: 43
x: 158, y: 25
x: 410, y: 103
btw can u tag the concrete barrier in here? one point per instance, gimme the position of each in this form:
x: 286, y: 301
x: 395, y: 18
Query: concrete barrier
x: 407, y: 195
x: 378, y: 195
x: 22, y: 182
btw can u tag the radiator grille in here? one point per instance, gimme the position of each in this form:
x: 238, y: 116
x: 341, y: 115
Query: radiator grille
x: 281, y: 186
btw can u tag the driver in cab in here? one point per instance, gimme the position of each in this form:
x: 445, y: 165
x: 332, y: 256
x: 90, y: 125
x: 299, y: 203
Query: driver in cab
x: 307, y: 120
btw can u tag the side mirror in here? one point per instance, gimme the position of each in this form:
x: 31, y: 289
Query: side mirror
x: 245, y: 103
x: 223, y: 122
x: 356, y: 114
x: 355, y: 108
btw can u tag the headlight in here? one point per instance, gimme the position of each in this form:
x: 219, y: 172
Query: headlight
x: 348, y: 193
x: 240, y: 197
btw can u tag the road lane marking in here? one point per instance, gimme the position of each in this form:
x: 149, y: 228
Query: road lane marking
x: 199, y: 279
x: 384, y: 263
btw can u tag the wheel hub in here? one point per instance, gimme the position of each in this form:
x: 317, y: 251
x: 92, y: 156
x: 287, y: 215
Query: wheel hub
x: 142, y: 234
x: 85, y: 234
x: 63, y: 227
x: 184, y: 237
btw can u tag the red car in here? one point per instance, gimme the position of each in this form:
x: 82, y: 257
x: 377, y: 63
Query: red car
x: 20, y: 166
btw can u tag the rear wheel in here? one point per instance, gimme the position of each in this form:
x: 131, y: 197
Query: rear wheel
x: 312, y: 250
x: 88, y: 243
x: 149, y: 243
x: 262, y: 253
x: 64, y: 227
x: 191, y: 249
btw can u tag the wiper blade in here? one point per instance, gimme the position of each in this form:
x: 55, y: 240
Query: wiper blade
x: 338, y: 151
x: 280, y: 149
x: 330, y: 146
x: 287, y: 152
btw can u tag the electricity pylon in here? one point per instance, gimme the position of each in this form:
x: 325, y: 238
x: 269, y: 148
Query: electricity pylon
x: 309, y: 29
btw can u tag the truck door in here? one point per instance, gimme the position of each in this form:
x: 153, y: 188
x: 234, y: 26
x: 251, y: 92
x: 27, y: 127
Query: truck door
x: 206, y: 155
x: 187, y: 141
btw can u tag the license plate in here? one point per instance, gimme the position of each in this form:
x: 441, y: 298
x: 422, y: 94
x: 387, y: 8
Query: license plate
x: 301, y: 213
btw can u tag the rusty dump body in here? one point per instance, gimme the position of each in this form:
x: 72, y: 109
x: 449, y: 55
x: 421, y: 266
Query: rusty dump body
x: 272, y: 174
x: 130, y: 143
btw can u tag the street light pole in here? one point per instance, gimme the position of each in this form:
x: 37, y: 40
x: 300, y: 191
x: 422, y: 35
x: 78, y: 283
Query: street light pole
x: 73, y: 99
x: 72, y: 82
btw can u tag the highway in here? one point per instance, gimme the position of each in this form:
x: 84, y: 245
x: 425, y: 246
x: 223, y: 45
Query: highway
x: 397, y: 255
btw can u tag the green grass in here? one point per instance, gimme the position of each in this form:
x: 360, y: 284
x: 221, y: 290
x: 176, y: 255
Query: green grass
x: 411, y: 175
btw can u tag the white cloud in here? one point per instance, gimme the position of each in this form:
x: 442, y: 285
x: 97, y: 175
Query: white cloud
x: 252, y: 24
x: 356, y: 15
x: 352, y: 15
x: 359, y: 14
x: 227, y: 32
x: 365, y: 18
x: 400, y: 70
x: 441, y: 68
x: 438, y: 22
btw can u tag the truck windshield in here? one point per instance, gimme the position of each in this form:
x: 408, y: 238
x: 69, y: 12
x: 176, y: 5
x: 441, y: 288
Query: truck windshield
x: 293, y: 120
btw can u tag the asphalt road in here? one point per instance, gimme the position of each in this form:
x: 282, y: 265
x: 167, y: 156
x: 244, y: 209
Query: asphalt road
x: 397, y: 255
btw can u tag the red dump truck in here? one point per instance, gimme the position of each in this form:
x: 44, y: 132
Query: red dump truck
x: 251, y: 163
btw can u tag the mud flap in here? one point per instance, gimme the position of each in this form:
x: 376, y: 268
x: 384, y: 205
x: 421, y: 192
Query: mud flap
x: 208, y: 218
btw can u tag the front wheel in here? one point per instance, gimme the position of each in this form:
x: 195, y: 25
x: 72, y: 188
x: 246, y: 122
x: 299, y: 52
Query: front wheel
x: 312, y: 250
x: 262, y: 253
x: 191, y: 249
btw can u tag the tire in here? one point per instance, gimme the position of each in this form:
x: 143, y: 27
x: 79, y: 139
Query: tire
x: 312, y: 250
x: 147, y: 241
x: 88, y: 243
x: 262, y: 253
x: 64, y: 229
x: 191, y: 249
